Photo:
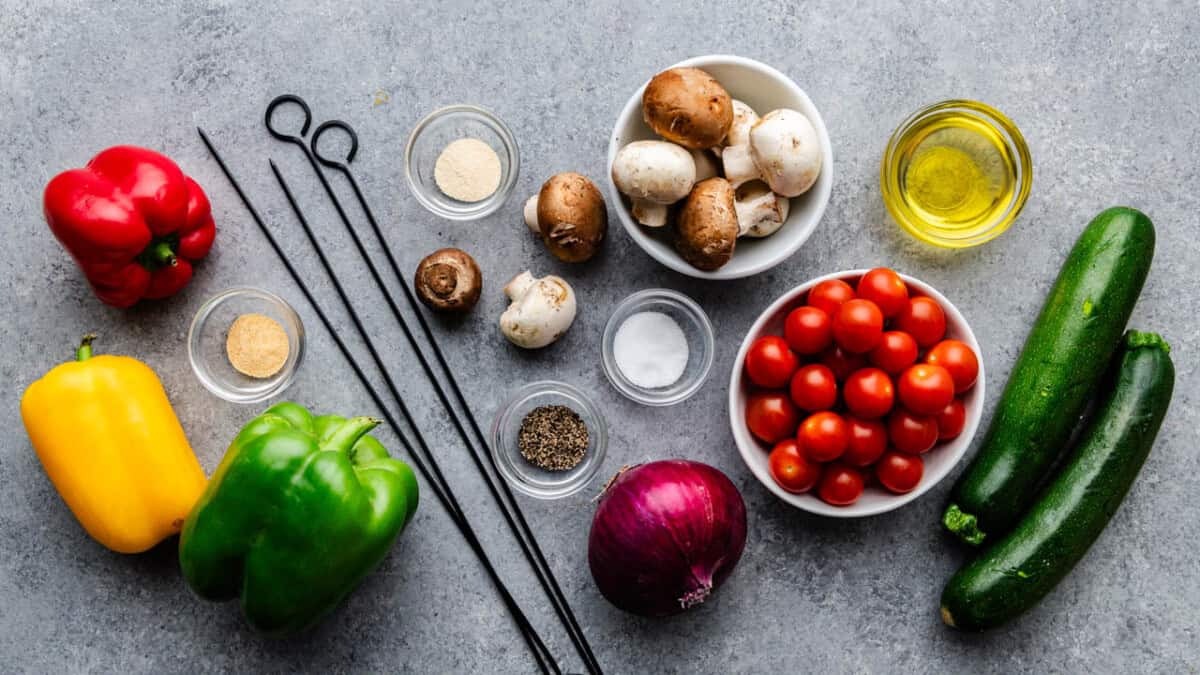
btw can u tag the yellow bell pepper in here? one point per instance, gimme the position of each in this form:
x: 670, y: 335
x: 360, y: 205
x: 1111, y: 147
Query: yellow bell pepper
x: 110, y: 442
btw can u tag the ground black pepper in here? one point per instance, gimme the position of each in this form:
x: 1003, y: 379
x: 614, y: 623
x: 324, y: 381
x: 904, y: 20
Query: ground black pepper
x: 553, y: 437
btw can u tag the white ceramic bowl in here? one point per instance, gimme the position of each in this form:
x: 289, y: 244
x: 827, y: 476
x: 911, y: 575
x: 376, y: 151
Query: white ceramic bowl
x: 875, y: 500
x: 764, y: 89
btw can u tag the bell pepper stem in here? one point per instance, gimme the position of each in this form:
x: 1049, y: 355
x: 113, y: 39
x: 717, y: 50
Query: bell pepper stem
x: 162, y: 254
x: 348, y: 434
x: 85, y: 347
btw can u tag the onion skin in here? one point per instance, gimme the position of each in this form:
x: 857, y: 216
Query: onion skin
x: 665, y: 535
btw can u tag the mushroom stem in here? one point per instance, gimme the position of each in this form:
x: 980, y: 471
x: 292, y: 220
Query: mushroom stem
x: 649, y: 214
x: 739, y: 165
x: 519, y: 285
x: 530, y: 213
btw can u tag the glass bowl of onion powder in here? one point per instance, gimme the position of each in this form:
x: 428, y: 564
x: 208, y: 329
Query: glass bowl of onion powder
x: 658, y: 347
x: 461, y: 162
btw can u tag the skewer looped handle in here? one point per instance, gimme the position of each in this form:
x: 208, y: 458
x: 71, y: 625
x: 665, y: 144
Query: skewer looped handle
x: 280, y: 100
x: 316, y: 139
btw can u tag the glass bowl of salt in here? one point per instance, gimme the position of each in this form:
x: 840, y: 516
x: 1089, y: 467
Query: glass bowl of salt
x: 658, y: 347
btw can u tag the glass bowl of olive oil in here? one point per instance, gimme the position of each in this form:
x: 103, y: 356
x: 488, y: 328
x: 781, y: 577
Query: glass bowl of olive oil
x: 956, y: 174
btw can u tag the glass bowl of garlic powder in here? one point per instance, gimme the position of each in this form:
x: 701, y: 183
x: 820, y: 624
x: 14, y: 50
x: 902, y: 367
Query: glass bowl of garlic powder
x: 244, y: 344
x: 461, y: 162
x: 658, y: 347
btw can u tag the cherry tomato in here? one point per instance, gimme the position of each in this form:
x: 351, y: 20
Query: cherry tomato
x: 958, y: 358
x: 829, y: 295
x: 911, y: 433
x: 814, y: 388
x: 868, y: 440
x: 923, y: 319
x: 771, y: 416
x: 791, y: 470
x: 925, y: 389
x: 823, y: 436
x: 895, y: 352
x: 808, y: 330
x: 869, y: 393
x: 858, y: 326
x: 899, y: 472
x: 842, y: 362
x: 884, y: 288
x: 770, y: 363
x: 951, y: 420
x: 840, y: 485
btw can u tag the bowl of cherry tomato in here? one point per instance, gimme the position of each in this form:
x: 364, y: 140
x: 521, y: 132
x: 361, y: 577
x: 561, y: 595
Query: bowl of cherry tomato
x: 855, y: 393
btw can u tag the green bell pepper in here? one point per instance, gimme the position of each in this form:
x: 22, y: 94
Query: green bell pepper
x: 300, y: 510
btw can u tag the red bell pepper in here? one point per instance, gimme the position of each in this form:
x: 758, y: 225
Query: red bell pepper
x: 133, y: 222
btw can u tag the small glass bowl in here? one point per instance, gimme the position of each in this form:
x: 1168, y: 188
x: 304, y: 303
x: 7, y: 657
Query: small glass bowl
x: 442, y: 127
x: 892, y: 169
x: 524, y: 476
x: 696, y: 328
x: 206, y: 344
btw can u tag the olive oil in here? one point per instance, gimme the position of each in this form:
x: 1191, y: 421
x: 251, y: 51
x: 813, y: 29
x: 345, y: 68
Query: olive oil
x: 955, y: 177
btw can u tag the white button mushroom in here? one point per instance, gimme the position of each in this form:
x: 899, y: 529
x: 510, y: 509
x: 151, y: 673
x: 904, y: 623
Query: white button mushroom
x: 653, y: 174
x: 541, y: 310
x: 781, y: 149
x: 760, y: 212
x: 787, y: 152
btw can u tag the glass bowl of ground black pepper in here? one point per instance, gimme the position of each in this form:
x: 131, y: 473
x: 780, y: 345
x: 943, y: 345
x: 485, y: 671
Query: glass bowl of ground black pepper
x: 244, y: 344
x: 549, y: 439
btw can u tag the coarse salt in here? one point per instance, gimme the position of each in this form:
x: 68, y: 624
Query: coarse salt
x: 651, y: 350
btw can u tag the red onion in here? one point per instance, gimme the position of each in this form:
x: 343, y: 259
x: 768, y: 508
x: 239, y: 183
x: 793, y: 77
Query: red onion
x: 665, y: 535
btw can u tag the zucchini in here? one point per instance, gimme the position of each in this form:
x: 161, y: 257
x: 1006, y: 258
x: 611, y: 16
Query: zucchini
x: 1022, y: 567
x: 1065, y: 356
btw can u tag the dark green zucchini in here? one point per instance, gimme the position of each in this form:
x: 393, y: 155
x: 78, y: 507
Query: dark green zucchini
x: 1064, y: 358
x: 1022, y: 567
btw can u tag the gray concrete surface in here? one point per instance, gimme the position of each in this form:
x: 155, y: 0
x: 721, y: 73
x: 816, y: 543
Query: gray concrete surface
x: 1105, y: 94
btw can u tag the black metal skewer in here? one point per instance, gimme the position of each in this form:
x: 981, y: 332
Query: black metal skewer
x: 436, y: 479
x: 514, y: 517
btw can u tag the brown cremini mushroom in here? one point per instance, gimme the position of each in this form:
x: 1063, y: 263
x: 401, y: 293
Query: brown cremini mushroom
x: 689, y: 107
x: 570, y: 216
x: 707, y: 229
x: 448, y: 280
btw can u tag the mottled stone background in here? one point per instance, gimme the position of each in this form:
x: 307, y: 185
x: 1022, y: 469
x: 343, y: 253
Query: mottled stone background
x: 1106, y: 94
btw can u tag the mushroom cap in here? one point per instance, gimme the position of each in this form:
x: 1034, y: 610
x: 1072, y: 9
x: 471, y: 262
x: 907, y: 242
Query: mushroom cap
x: 707, y: 229
x: 787, y: 151
x: 654, y: 171
x: 687, y: 106
x: 448, y: 280
x: 571, y: 217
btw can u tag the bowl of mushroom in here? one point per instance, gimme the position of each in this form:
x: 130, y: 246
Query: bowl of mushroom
x: 708, y: 186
